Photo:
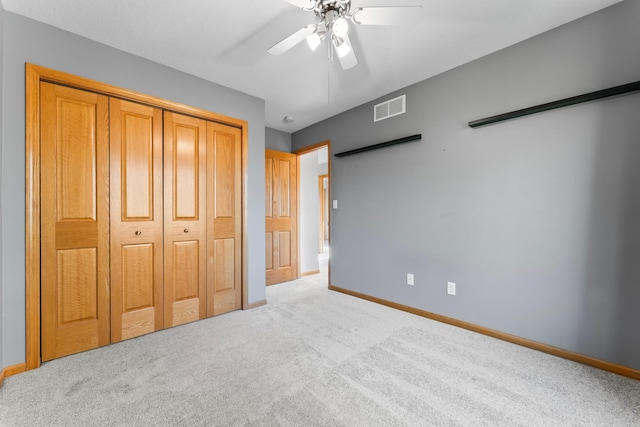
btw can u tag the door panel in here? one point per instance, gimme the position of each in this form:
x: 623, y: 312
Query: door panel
x: 77, y: 286
x: 185, y: 179
x: 283, y: 187
x: 224, y: 218
x: 137, y: 267
x: 268, y: 250
x: 136, y: 220
x: 281, y: 216
x: 185, y: 168
x: 284, y: 248
x: 74, y: 220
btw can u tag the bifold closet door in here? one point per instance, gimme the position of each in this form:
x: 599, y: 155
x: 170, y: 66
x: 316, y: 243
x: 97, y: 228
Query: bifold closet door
x: 136, y: 220
x: 185, y: 172
x: 74, y: 219
x: 224, y: 221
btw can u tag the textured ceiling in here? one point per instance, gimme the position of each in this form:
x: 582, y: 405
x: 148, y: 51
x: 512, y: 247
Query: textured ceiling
x: 226, y: 42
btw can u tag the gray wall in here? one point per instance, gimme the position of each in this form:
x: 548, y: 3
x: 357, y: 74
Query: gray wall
x: 277, y: 140
x: 323, y: 168
x: 1, y: 170
x: 30, y: 41
x: 309, y: 212
x: 537, y: 219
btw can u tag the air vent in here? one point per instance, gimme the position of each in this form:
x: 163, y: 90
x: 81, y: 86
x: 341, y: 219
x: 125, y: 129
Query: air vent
x: 393, y: 107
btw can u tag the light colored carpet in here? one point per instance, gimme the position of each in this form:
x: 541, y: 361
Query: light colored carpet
x: 316, y: 357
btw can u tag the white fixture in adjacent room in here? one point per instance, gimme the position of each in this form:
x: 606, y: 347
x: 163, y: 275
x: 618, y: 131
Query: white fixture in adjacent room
x: 410, y: 279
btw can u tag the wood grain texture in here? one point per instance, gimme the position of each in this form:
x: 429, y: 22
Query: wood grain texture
x: 555, y: 351
x: 75, y: 220
x: 309, y: 273
x: 284, y: 249
x: 137, y: 283
x: 138, y: 277
x: 55, y: 76
x: 245, y: 203
x: 255, y: 304
x: 284, y: 187
x: 268, y: 240
x: 32, y: 217
x: 185, y: 227
x: 77, y: 285
x: 268, y: 186
x: 138, y: 322
x: 282, y: 223
x: 224, y: 219
x: 185, y: 311
x: 12, y: 370
x: 314, y: 147
x: 34, y: 75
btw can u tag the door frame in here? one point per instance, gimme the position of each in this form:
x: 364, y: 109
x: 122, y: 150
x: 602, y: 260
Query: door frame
x: 34, y: 75
x: 324, y: 207
x: 301, y: 152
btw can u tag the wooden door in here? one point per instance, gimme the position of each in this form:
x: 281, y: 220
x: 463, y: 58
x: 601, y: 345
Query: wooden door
x: 136, y: 220
x: 74, y: 220
x: 224, y: 219
x: 281, y: 174
x: 185, y: 164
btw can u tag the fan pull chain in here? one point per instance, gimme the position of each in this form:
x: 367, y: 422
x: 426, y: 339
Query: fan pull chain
x: 329, y: 83
x: 329, y: 64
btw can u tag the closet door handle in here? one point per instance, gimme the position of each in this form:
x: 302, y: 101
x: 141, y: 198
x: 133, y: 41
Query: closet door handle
x: 186, y: 230
x: 138, y: 232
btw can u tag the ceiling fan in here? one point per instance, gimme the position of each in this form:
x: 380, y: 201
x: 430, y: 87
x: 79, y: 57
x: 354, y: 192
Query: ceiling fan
x: 333, y: 16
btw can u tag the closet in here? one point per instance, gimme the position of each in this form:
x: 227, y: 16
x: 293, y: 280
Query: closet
x: 141, y: 219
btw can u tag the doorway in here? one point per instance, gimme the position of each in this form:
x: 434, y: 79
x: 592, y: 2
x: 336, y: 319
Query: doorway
x: 314, y: 168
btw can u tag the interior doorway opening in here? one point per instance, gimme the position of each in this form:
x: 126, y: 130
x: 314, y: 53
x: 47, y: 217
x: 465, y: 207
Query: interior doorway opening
x: 314, y: 186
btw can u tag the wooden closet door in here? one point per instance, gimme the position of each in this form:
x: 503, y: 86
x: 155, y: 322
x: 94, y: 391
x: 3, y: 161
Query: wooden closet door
x: 224, y: 220
x: 75, y: 220
x: 281, y: 189
x: 136, y: 220
x: 185, y: 164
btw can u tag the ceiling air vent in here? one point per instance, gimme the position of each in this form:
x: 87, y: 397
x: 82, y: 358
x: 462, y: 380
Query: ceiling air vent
x: 390, y: 108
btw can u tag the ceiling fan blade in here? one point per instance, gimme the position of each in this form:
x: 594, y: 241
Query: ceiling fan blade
x: 303, y: 4
x: 387, y: 15
x: 349, y: 60
x: 292, y: 40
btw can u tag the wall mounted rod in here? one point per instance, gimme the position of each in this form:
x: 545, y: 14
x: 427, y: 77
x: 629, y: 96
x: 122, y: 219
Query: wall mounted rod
x: 381, y: 145
x: 605, y: 93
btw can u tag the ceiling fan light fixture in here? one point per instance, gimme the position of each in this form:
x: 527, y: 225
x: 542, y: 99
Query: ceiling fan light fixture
x: 314, y: 41
x: 342, y: 48
x: 332, y: 16
x: 340, y: 27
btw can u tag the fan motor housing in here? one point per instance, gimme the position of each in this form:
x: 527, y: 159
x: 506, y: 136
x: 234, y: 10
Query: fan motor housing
x: 331, y: 9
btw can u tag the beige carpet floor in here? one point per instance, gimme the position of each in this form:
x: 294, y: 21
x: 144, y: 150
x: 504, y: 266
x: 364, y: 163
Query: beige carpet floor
x: 315, y: 357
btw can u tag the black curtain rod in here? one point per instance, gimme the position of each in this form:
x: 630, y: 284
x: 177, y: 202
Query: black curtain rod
x: 381, y: 145
x: 605, y: 93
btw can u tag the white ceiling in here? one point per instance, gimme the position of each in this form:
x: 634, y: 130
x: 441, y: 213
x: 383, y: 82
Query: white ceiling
x: 226, y: 42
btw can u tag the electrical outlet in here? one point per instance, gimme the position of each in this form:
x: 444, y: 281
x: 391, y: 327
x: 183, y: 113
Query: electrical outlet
x: 409, y: 279
x: 451, y: 288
